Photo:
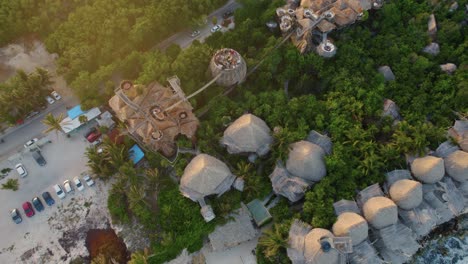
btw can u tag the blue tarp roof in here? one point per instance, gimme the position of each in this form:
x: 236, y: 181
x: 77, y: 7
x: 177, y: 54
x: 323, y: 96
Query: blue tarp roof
x: 136, y: 154
x: 75, y: 112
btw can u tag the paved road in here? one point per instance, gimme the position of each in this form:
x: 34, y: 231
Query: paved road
x: 183, y: 38
x: 15, y: 137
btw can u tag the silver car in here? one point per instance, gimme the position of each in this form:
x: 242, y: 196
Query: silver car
x: 21, y: 170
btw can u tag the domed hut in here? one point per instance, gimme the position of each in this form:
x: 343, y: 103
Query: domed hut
x: 204, y: 176
x: 380, y: 212
x: 428, y: 169
x: 456, y: 165
x: 318, y: 250
x: 407, y: 194
x: 306, y: 160
x: 352, y: 225
x: 248, y: 134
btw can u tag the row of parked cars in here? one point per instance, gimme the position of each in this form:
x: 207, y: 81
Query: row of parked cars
x: 61, y: 193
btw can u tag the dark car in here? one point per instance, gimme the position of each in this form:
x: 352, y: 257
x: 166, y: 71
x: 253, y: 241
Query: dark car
x: 227, y: 14
x: 37, y: 204
x: 28, y: 209
x: 39, y: 158
x: 90, y: 131
x: 48, y: 199
x: 15, y: 215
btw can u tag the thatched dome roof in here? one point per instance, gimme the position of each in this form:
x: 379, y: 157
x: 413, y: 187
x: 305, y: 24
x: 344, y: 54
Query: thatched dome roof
x: 380, y: 212
x: 205, y: 174
x: 407, y: 194
x: 352, y: 225
x: 428, y: 169
x: 456, y: 165
x: 305, y: 160
x: 313, y: 251
x: 248, y: 134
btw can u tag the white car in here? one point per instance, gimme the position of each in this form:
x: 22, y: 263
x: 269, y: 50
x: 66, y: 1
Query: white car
x: 50, y: 100
x: 21, y: 170
x: 30, y: 142
x: 215, y: 28
x: 88, y: 180
x: 78, y: 184
x: 59, y: 191
x: 68, y: 187
x: 56, y: 95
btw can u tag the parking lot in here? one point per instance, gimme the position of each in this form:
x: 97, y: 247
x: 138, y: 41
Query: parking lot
x: 65, y: 160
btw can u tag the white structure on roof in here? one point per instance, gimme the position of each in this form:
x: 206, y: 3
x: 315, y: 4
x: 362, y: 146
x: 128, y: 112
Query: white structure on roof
x: 287, y: 185
x: 248, y: 134
x: 306, y: 160
x: 428, y: 169
x: 456, y: 165
x: 68, y: 125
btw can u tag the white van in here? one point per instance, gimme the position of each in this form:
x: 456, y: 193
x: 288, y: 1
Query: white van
x: 68, y: 187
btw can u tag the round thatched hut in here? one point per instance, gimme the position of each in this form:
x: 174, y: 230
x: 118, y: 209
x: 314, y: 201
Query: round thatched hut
x: 317, y: 249
x: 205, y: 175
x: 407, y: 194
x: 248, y: 134
x: 230, y: 65
x: 428, y: 169
x: 306, y: 160
x: 380, y: 212
x: 456, y: 165
x: 352, y: 225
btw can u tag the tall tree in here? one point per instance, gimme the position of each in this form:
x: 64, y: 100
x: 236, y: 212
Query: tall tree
x: 53, y: 123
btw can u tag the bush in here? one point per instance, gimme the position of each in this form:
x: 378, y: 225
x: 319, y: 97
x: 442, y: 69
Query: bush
x: 117, y: 204
x: 11, y: 184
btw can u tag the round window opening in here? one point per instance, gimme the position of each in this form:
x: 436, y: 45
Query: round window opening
x: 157, y: 135
x: 183, y: 115
x: 157, y: 113
x: 126, y: 85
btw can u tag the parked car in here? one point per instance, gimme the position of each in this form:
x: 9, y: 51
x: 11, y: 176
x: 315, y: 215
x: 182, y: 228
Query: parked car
x: 32, y: 114
x: 48, y: 198
x: 38, y: 204
x: 28, y: 209
x: 90, y: 131
x: 59, y: 191
x: 15, y: 215
x: 97, y: 142
x: 228, y: 14
x: 88, y: 180
x: 68, y: 187
x: 50, y: 100
x: 78, y: 184
x: 21, y: 170
x: 93, y: 136
x: 39, y: 158
x: 56, y: 95
x: 195, y: 33
x: 215, y: 28
x: 30, y: 142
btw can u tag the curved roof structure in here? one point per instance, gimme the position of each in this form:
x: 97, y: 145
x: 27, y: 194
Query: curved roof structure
x: 205, y: 175
x: 428, y: 169
x: 306, y: 160
x: 407, y: 194
x: 352, y: 225
x: 248, y: 134
x: 380, y: 212
x: 313, y: 251
x: 456, y: 165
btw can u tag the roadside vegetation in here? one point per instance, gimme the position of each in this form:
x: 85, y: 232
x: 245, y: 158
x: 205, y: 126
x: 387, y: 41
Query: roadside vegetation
x: 11, y: 184
x: 342, y: 97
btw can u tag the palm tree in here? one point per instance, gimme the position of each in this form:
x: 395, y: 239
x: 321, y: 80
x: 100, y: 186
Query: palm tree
x: 52, y: 123
x: 83, y: 119
x: 152, y: 177
x: 136, y: 195
x: 272, y: 241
